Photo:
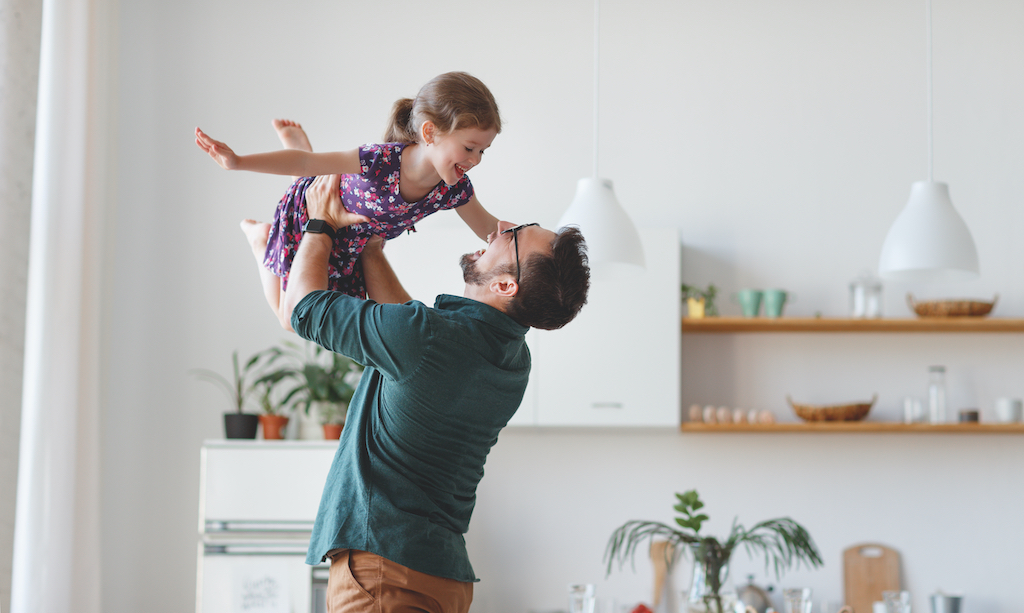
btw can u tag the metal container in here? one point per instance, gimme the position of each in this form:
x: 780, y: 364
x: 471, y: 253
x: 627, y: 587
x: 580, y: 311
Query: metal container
x: 944, y: 603
x: 753, y: 596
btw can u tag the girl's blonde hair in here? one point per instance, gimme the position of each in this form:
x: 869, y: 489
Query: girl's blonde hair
x: 450, y: 101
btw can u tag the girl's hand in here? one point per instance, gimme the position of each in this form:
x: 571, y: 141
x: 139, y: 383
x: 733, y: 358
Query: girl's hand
x: 323, y: 201
x: 221, y: 153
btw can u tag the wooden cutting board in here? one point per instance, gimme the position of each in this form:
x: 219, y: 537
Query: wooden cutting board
x: 868, y: 570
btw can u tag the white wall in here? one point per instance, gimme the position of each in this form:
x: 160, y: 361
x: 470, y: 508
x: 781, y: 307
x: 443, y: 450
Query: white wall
x: 780, y: 138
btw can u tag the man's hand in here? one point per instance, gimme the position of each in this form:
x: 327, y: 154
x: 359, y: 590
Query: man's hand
x: 323, y: 201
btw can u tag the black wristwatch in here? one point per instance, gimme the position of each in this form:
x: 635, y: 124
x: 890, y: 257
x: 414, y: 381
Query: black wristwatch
x: 319, y: 226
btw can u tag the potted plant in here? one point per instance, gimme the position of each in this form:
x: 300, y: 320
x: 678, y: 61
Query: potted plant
x: 324, y: 380
x: 273, y: 417
x: 238, y: 423
x: 782, y: 541
x: 700, y: 302
x: 332, y: 418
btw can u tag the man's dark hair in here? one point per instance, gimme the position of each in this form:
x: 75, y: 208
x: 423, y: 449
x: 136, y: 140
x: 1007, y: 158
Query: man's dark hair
x: 553, y: 288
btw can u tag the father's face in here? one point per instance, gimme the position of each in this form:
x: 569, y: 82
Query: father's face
x: 499, y: 258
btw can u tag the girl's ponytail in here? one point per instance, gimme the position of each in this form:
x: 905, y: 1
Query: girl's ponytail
x: 400, y: 129
x: 450, y: 101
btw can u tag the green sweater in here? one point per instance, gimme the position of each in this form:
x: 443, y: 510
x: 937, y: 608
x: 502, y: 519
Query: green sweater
x: 439, y: 386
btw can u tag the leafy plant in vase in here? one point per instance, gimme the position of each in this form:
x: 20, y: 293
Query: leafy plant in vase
x: 700, y: 302
x: 332, y: 418
x: 274, y: 418
x: 324, y: 380
x: 782, y: 541
x: 245, y: 381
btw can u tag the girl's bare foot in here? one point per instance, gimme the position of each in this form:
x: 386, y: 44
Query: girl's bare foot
x: 256, y: 232
x: 291, y: 134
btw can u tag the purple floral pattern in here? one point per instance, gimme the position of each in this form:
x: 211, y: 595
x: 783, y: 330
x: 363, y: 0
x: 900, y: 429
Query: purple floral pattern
x: 373, y: 193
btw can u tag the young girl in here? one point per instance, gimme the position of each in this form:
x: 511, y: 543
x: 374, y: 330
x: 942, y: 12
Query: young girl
x: 431, y: 142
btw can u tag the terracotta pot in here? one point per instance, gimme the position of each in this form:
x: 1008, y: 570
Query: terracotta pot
x: 240, y: 425
x: 332, y: 431
x: 273, y: 426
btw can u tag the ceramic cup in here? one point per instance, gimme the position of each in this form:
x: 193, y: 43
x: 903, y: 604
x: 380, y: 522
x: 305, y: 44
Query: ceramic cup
x: 750, y: 301
x: 1009, y: 410
x: 774, y: 300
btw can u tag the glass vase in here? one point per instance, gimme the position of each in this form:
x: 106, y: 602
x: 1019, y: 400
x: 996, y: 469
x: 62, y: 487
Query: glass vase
x: 702, y: 597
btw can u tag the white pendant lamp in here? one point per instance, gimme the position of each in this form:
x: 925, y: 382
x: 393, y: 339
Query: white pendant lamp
x: 929, y: 241
x: 611, y: 237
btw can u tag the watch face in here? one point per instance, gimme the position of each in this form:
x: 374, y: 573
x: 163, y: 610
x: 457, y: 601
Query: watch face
x: 318, y: 226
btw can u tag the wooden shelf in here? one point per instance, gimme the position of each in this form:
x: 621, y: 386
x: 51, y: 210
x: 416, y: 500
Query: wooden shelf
x: 857, y: 427
x: 726, y: 325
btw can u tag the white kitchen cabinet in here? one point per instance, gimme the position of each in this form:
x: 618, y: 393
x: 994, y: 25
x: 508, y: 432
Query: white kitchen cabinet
x: 617, y: 364
x: 257, y: 504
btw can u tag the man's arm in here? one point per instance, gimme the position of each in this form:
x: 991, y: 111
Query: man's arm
x: 382, y: 284
x: 309, y: 267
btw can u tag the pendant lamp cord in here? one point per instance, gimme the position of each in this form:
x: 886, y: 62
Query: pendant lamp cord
x: 597, y: 72
x: 928, y: 37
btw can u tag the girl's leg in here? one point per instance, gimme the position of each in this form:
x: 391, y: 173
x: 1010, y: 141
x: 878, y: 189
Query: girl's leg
x: 292, y: 135
x: 256, y: 233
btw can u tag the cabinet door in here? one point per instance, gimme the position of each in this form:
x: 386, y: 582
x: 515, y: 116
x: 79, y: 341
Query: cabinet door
x: 617, y: 364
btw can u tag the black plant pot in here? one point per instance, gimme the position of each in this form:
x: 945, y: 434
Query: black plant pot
x: 240, y: 425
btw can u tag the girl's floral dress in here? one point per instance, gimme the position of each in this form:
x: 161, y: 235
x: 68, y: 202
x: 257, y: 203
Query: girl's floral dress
x: 373, y: 193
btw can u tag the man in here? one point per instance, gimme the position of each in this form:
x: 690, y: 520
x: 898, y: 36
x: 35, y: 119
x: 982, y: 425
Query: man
x: 439, y: 385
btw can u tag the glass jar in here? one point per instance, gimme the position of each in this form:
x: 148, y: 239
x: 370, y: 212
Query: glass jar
x: 937, y: 394
x: 866, y: 297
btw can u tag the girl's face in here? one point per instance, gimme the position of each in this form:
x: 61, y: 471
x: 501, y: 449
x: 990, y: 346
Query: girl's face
x: 454, y: 153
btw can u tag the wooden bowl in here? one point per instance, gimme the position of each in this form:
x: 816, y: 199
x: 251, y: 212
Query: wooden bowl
x: 952, y: 308
x: 832, y: 412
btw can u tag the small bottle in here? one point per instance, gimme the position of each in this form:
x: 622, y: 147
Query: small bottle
x: 937, y: 394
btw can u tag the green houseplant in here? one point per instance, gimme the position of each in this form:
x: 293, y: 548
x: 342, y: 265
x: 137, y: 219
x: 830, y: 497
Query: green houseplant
x: 246, y: 380
x: 782, y: 541
x: 323, y: 381
x: 700, y: 302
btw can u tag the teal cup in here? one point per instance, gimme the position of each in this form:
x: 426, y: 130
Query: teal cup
x: 750, y: 301
x: 774, y: 300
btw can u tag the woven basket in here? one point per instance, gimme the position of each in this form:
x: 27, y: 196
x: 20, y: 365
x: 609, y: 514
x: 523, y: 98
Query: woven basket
x: 952, y: 308
x: 832, y: 412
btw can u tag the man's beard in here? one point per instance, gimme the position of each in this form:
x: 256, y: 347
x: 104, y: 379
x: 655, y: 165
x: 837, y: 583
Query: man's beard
x: 473, y: 276
x: 470, y: 273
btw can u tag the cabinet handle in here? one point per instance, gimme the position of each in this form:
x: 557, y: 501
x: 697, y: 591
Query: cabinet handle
x: 607, y: 405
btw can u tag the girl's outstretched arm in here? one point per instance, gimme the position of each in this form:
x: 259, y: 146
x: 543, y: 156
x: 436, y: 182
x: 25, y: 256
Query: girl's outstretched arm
x: 477, y: 218
x: 291, y: 162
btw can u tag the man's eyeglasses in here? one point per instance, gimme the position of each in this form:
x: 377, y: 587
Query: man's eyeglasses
x: 515, y: 239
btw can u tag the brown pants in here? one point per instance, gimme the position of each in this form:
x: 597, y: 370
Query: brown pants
x: 362, y: 582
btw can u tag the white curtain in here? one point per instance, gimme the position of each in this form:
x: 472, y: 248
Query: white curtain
x: 56, y: 563
x: 19, y: 83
